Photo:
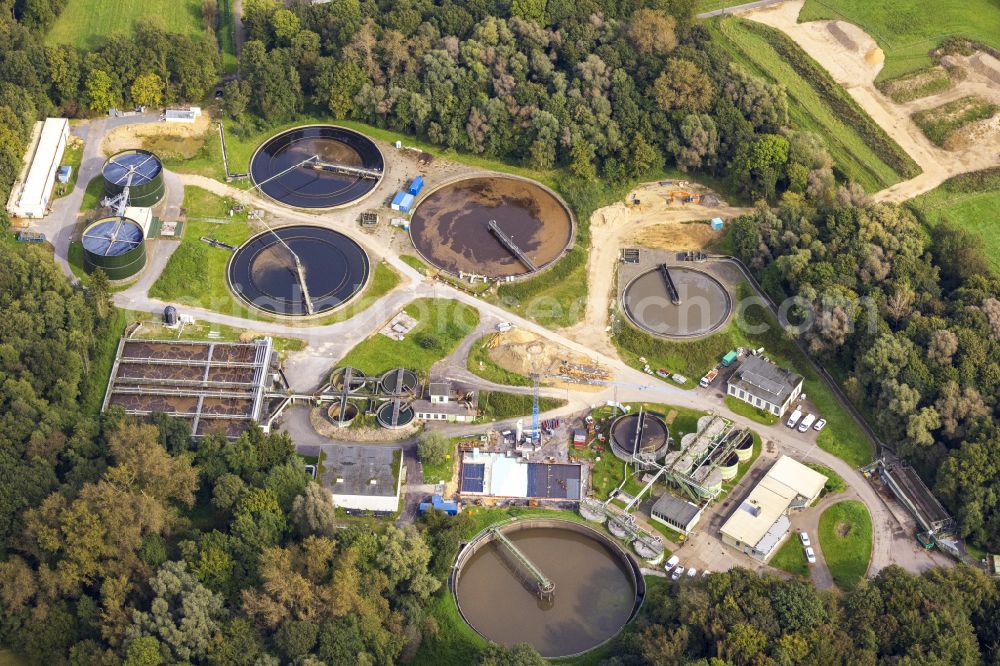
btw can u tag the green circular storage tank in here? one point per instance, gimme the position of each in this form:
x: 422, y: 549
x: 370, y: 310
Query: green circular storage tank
x: 116, y: 245
x: 140, y: 171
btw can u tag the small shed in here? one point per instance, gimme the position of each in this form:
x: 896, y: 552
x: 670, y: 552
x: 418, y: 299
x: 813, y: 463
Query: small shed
x: 402, y: 202
x: 438, y: 503
x: 170, y: 315
x: 416, y: 185
x: 729, y: 358
x: 64, y: 173
x: 718, y: 224
x: 579, y: 438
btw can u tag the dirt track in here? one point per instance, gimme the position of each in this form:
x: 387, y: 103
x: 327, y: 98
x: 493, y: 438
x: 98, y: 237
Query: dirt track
x: 854, y: 59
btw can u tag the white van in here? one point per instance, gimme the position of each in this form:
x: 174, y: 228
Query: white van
x: 671, y: 563
x: 807, y: 422
x: 794, y: 418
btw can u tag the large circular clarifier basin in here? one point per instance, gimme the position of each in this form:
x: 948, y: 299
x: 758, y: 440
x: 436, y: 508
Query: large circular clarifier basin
x: 264, y: 274
x: 317, y: 166
x: 704, y: 304
x: 450, y: 227
x: 598, y: 587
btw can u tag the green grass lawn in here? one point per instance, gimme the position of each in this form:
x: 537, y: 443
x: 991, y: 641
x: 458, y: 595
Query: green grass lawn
x: 72, y: 156
x: 845, y: 535
x: 811, y: 106
x: 907, y: 30
x: 834, y: 483
x: 791, y: 557
x: 480, y: 363
x: 973, y: 207
x: 85, y: 23
x: 226, y: 33
x: 841, y: 437
x: 153, y: 329
x: 941, y: 123
x: 496, y: 405
x: 753, y: 413
x: 442, y: 324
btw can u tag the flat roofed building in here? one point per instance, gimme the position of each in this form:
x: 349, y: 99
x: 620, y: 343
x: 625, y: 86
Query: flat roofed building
x: 764, y: 385
x: 761, y: 522
x: 30, y: 194
x: 500, y: 475
x: 363, y: 478
x: 676, y: 513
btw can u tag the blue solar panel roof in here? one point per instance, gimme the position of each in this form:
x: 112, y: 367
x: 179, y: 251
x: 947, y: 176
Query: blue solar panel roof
x: 473, y: 477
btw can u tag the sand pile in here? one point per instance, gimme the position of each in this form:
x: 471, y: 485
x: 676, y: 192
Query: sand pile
x: 526, y: 353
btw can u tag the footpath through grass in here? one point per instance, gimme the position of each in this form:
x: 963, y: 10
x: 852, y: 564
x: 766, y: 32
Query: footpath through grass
x: 907, y: 30
x: 86, y: 23
x: 971, y: 201
x: 845, y: 535
x: 694, y: 358
x: 441, y: 326
x: 861, y: 150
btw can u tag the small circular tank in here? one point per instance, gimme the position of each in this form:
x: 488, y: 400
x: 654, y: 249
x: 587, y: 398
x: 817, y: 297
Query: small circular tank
x: 744, y: 450
x: 392, y: 384
x: 385, y: 413
x: 350, y: 411
x: 358, y: 379
x: 116, y: 245
x: 729, y: 467
x: 140, y: 171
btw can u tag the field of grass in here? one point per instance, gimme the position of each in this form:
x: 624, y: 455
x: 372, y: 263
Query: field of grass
x: 701, y: 6
x: 845, y: 535
x: 496, y: 405
x: 85, y: 23
x: 970, y: 201
x: 95, y: 382
x: 921, y: 83
x: 441, y: 325
x: 791, y: 557
x: 72, y: 156
x: 153, y: 329
x: 834, y: 483
x: 942, y: 122
x: 753, y: 413
x: 226, y: 33
x: 907, y: 30
x: 860, y: 149
x: 841, y: 437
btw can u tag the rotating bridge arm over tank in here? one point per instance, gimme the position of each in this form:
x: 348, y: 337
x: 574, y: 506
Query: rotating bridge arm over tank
x: 546, y: 588
x: 508, y: 243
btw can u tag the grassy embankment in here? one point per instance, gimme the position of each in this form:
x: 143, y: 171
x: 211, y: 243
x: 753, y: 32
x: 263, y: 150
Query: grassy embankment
x: 480, y: 363
x: 737, y: 406
x: 87, y: 23
x: 791, y: 557
x: 496, y: 405
x: 918, y: 84
x: 153, y: 329
x: 196, y: 272
x: 861, y: 150
x: 845, y: 535
x: 441, y: 325
x: 942, y: 123
x: 841, y: 437
x: 971, y: 201
x: 908, y: 30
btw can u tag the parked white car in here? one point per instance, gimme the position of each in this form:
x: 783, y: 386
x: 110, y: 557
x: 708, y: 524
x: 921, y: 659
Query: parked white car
x: 807, y: 422
x: 804, y: 536
x: 671, y: 563
x: 692, y: 572
x: 811, y: 555
x: 794, y: 418
x: 678, y: 572
x: 819, y: 425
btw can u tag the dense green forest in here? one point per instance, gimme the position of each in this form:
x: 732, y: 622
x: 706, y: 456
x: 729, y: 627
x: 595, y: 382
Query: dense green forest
x: 912, y: 324
x: 126, y: 542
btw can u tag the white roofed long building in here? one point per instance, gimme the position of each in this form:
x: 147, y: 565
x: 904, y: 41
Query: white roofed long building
x: 29, y: 197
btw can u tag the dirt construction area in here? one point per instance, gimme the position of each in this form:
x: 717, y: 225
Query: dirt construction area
x: 854, y: 59
x: 525, y: 353
x: 167, y: 140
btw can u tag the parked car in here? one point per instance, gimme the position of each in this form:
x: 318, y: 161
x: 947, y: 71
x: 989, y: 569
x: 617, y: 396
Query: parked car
x: 705, y: 573
x: 678, y: 572
x: 692, y: 572
x: 505, y: 326
x: 807, y: 422
x: 811, y: 555
x: 671, y: 563
x: 794, y: 418
x: 804, y: 536
x: 819, y: 425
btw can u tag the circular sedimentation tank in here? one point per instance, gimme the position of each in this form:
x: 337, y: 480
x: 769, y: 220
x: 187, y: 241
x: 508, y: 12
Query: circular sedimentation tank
x: 116, y: 245
x: 450, y: 227
x: 389, y: 382
x: 317, y: 166
x: 652, y: 441
x: 263, y: 271
x: 704, y: 304
x: 139, y: 170
x: 598, y: 587
x: 385, y: 413
x: 358, y: 379
x: 744, y: 450
x: 350, y: 412
x: 729, y: 467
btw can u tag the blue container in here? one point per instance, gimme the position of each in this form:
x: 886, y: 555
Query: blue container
x: 416, y: 185
x: 406, y: 204
x: 397, y: 199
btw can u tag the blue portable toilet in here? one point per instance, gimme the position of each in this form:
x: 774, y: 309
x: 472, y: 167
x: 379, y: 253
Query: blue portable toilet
x: 717, y: 224
x: 416, y: 185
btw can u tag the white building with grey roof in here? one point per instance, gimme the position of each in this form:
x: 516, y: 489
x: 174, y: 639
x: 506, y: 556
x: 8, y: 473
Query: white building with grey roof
x: 761, y: 383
